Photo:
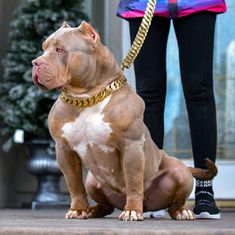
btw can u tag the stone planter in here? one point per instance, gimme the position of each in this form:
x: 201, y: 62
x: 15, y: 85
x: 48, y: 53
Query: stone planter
x: 45, y: 167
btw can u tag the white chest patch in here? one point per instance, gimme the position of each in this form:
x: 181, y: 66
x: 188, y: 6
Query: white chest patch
x: 89, y: 129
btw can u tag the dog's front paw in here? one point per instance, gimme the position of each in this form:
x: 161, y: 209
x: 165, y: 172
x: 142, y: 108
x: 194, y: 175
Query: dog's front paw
x: 131, y: 216
x: 76, y: 214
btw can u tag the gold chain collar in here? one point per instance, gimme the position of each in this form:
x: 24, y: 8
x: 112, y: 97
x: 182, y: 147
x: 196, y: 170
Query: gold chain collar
x: 108, y: 90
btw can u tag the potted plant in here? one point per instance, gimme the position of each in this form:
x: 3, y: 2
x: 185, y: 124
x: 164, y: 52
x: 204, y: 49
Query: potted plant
x: 22, y: 105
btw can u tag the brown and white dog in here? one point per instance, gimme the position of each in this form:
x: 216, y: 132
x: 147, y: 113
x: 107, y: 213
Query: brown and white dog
x: 98, y: 121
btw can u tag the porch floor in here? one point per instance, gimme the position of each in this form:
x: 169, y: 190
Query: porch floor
x: 27, y: 221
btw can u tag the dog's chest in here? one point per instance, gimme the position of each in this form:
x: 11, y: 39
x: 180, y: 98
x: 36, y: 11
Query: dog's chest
x: 89, y: 130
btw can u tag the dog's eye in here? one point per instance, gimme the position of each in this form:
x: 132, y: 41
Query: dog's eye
x: 59, y: 50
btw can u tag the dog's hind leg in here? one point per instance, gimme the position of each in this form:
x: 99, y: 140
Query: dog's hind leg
x: 183, y: 182
x: 103, y: 207
x: 177, y: 210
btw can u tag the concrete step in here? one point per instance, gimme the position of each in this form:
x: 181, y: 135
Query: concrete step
x: 52, y: 222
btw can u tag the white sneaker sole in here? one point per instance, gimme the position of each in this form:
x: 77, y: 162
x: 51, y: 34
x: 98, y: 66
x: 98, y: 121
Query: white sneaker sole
x: 155, y: 214
x: 206, y: 215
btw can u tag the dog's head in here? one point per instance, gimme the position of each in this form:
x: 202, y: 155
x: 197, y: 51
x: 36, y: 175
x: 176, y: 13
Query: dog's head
x: 69, y: 58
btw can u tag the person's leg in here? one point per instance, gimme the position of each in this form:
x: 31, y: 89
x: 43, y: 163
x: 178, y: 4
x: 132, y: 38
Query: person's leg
x: 195, y: 35
x: 150, y: 71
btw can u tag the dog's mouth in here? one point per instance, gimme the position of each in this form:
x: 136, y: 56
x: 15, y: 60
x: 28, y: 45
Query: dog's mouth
x: 37, y: 82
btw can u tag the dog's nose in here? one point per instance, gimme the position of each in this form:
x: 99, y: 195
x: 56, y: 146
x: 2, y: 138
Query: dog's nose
x: 36, y: 62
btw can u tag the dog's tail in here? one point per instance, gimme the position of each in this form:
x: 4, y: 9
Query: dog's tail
x: 208, y: 174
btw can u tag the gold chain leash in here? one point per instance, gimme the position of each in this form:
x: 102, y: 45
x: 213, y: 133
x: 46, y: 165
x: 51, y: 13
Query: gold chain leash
x: 140, y: 36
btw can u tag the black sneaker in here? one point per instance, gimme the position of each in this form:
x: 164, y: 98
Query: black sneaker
x: 205, y: 209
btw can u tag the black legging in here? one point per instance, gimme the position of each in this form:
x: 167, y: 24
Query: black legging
x: 195, y: 36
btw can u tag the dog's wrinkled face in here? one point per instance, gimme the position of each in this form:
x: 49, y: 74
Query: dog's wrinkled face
x: 65, y: 58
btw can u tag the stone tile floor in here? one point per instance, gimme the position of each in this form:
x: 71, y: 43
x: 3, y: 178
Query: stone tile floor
x: 29, y: 222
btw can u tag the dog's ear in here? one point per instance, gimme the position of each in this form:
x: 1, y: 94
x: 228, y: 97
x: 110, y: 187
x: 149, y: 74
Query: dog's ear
x: 65, y: 25
x: 89, y: 31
